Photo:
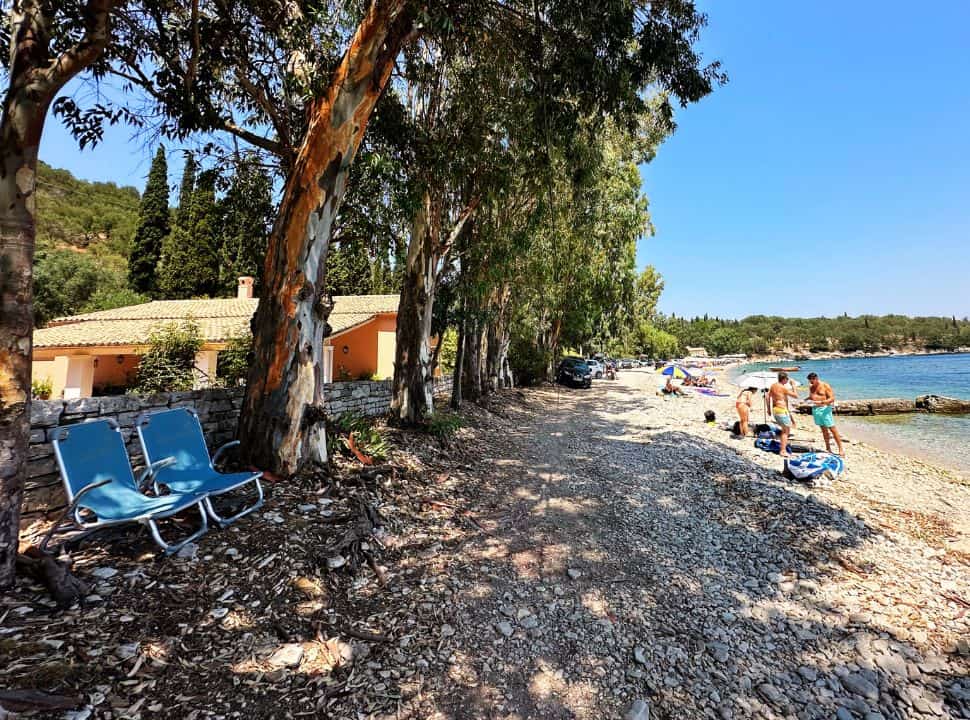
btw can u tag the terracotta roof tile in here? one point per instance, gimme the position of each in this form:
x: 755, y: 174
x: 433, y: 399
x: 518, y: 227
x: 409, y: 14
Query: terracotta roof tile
x: 218, y: 320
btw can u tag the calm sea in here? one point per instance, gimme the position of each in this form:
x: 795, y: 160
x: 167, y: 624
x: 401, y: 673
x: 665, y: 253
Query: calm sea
x: 943, y: 438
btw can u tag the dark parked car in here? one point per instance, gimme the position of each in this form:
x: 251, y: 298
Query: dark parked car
x: 574, y: 371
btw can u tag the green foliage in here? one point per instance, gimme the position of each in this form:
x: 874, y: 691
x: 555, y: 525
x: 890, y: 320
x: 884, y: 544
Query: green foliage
x: 655, y: 343
x: 366, y: 436
x: 246, y: 214
x: 67, y: 282
x: 233, y: 362
x: 759, y: 334
x: 530, y: 361
x: 41, y: 388
x: 443, y: 425
x: 190, y: 255
x: 449, y: 350
x: 70, y: 212
x: 350, y: 269
x: 168, y: 363
x: 153, y: 228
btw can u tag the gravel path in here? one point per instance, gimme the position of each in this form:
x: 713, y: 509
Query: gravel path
x: 635, y: 554
x: 571, y: 554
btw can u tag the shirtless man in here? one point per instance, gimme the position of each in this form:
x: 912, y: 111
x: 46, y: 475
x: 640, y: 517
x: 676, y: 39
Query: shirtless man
x: 778, y: 395
x: 822, y: 394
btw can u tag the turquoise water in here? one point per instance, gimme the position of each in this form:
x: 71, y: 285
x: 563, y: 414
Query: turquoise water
x: 942, y: 438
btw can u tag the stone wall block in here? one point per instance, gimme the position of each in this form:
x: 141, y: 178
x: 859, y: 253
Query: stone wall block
x: 45, y: 413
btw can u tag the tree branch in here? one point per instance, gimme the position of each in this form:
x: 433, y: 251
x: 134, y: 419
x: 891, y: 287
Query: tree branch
x: 72, y: 61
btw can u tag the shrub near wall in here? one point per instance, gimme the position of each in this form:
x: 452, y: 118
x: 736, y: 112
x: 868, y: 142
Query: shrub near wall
x: 218, y: 410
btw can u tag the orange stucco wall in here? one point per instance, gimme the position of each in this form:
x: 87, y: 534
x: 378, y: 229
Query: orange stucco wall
x: 109, y: 373
x: 360, y: 360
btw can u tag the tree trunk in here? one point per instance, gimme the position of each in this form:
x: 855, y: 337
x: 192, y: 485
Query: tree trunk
x: 34, y: 79
x: 413, y: 390
x: 472, y: 371
x: 19, y: 144
x: 459, y: 361
x: 413, y: 385
x: 282, y: 425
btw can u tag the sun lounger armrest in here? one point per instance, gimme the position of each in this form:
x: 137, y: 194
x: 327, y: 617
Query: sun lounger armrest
x: 218, y: 453
x: 70, y: 512
x: 149, y: 473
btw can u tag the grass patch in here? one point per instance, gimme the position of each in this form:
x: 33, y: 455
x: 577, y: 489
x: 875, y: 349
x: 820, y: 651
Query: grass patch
x: 444, y: 425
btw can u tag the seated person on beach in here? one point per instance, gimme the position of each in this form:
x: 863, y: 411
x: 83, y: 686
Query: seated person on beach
x: 823, y: 397
x: 743, y: 405
x: 779, y: 394
x: 671, y: 389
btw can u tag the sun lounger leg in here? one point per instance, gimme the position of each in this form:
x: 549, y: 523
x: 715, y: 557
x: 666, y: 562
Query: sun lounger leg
x: 221, y: 521
x: 169, y: 549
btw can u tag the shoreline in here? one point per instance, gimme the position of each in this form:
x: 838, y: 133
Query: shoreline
x: 860, y: 355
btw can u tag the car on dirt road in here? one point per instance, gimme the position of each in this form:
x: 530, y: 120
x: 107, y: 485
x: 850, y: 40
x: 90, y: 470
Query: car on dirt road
x: 575, y: 372
x: 596, y: 367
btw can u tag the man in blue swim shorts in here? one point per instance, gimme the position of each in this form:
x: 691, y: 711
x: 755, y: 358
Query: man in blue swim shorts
x: 822, y: 394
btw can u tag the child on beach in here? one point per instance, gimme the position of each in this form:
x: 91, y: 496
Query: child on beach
x: 823, y: 397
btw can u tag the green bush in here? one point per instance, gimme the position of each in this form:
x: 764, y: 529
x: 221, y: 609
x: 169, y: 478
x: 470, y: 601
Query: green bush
x: 367, y: 438
x: 234, y: 361
x: 444, y: 425
x: 167, y: 365
x: 529, y: 362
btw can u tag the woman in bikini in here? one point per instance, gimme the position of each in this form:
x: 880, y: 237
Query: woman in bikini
x: 743, y: 405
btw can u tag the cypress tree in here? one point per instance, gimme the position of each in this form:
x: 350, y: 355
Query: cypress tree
x: 245, y: 216
x: 153, y: 228
x: 190, y: 266
x: 186, y: 187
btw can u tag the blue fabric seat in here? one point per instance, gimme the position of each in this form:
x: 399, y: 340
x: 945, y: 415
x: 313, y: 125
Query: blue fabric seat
x: 177, y: 434
x: 98, y: 481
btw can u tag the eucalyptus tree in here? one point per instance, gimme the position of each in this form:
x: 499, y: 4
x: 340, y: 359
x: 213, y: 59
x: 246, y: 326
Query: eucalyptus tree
x: 300, y: 80
x: 47, y: 43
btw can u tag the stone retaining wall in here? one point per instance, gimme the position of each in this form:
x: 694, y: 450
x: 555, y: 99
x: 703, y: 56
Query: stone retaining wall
x: 369, y: 397
x: 218, y: 410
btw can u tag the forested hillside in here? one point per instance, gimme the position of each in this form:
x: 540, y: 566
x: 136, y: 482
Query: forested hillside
x: 868, y: 333
x: 84, y: 234
x: 78, y: 213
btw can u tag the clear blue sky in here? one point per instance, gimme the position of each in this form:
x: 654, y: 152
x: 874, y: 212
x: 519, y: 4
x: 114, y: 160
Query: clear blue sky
x: 831, y: 174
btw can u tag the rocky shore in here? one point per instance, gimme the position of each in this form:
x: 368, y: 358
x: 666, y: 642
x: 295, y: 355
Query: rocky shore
x: 571, y: 554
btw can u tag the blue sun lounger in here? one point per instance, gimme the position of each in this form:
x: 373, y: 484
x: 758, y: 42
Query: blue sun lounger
x: 98, y: 481
x: 177, y: 433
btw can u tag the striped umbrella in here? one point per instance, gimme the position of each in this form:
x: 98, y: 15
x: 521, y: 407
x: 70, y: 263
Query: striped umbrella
x: 675, y: 371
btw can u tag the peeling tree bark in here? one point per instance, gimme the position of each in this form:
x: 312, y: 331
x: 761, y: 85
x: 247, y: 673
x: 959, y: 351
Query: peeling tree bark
x: 35, y: 77
x: 282, y: 423
x: 413, y: 385
x: 497, y: 339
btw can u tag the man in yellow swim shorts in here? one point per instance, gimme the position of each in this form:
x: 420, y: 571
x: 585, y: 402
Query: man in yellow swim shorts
x: 778, y: 395
x: 822, y: 394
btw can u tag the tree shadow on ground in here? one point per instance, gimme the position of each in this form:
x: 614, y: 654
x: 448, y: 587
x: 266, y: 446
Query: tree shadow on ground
x: 700, y: 581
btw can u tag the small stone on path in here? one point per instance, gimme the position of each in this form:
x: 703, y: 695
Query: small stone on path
x: 574, y: 573
x: 639, y: 710
x: 505, y: 628
x: 289, y: 655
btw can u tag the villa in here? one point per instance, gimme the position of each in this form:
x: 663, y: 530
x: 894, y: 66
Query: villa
x: 97, y: 353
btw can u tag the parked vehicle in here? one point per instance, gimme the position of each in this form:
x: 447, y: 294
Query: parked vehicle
x: 596, y: 367
x: 574, y: 371
x: 626, y: 364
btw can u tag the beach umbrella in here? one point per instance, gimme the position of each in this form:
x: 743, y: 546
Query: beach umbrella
x: 762, y: 380
x: 675, y: 371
